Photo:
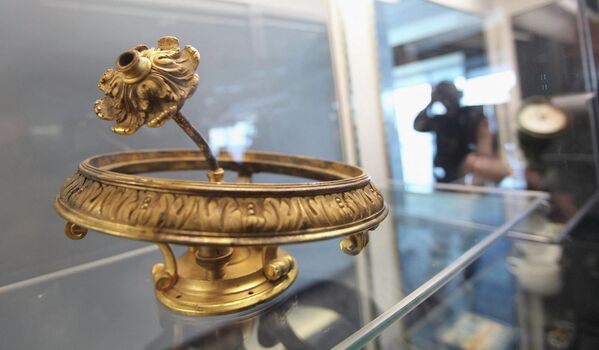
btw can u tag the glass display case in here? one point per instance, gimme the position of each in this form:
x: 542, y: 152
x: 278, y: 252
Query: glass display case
x: 476, y: 120
x: 108, y: 303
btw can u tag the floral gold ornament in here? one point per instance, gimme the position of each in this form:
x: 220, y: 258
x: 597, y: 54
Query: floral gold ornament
x: 232, y: 229
x: 148, y: 86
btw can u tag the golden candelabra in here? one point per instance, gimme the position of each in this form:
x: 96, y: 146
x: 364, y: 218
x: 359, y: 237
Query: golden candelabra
x: 232, y: 229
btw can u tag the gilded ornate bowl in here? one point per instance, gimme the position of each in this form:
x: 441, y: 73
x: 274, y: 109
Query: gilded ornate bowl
x: 232, y: 228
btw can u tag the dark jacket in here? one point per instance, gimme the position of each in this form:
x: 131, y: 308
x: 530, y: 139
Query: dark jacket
x: 455, y: 137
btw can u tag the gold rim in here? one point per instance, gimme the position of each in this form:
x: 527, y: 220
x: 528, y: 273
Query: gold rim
x: 107, y: 194
x: 119, y: 168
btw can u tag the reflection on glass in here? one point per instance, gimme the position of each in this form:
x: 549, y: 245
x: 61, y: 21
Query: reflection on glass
x: 464, y: 143
x: 555, y: 129
x: 463, y: 79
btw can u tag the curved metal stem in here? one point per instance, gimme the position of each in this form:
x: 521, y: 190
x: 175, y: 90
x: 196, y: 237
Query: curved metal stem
x: 170, y: 262
x: 198, y: 140
x: 165, y: 275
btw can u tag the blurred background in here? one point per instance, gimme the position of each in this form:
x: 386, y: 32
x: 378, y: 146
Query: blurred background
x: 500, y: 57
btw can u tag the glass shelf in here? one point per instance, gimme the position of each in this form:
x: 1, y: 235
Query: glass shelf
x: 512, y: 299
x: 336, y: 300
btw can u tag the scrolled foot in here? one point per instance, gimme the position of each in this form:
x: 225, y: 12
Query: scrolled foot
x: 353, y: 244
x: 165, y: 275
x: 163, y: 280
x: 74, y: 231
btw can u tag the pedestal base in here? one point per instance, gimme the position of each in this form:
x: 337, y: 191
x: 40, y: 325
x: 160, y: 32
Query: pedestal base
x: 223, y: 280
